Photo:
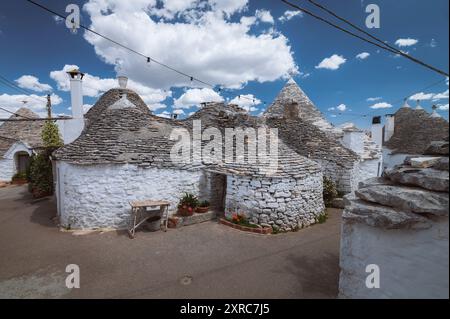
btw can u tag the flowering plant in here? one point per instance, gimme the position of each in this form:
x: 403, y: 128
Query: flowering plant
x: 238, y: 218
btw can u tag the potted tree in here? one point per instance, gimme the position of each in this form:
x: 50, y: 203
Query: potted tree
x: 188, y: 204
x: 203, y: 207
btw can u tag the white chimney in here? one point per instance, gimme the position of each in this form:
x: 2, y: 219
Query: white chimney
x: 389, y: 127
x: 76, y: 93
x: 75, y: 126
x: 377, y: 131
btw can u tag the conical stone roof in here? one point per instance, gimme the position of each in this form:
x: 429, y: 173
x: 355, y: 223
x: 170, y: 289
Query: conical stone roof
x: 307, y: 111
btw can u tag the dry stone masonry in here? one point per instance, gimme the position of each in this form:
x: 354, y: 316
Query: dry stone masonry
x: 399, y: 223
x: 286, y: 203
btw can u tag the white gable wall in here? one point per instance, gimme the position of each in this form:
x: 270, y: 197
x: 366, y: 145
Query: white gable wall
x: 97, y: 196
x: 7, y: 162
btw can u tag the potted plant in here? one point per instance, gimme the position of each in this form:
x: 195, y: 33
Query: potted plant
x: 188, y: 204
x: 203, y: 207
x: 19, y: 179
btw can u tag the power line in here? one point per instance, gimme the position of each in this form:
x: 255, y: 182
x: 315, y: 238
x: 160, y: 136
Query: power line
x: 9, y: 84
x: 408, y: 56
x: 3, y: 109
x: 384, y: 46
x: 147, y: 58
x: 361, y: 115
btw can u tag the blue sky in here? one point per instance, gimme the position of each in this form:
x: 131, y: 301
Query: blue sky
x: 251, y: 56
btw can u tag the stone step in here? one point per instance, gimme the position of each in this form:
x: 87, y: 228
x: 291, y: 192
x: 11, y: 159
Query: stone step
x: 376, y: 215
x: 407, y: 199
x: 198, y: 218
x: 427, y: 178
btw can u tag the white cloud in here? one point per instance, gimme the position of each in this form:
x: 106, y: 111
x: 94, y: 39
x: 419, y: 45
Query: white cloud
x: 194, y: 97
x: 178, y: 112
x: 264, y: 16
x: 289, y: 14
x: 406, y: 42
x: 58, y: 19
x: 373, y: 99
x: 381, y: 105
x: 363, y: 55
x: 441, y: 96
x: 332, y: 63
x: 304, y: 75
x: 342, y: 107
x: 422, y: 96
x: 31, y: 82
x: 164, y: 114
x: 34, y: 102
x: 204, y: 42
x: 443, y: 107
x: 156, y: 106
x: 246, y: 101
x: 331, y: 108
x: 93, y: 86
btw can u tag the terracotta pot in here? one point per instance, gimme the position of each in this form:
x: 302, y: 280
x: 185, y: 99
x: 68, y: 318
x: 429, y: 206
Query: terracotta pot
x: 201, y: 210
x: 19, y: 181
x: 39, y: 194
x: 185, y: 212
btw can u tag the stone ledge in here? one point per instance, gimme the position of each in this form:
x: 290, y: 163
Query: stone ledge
x: 261, y: 230
x: 198, y: 218
x: 177, y: 221
x: 376, y: 215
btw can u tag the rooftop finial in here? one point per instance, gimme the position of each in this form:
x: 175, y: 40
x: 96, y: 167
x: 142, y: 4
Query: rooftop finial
x: 406, y: 105
x: 435, y: 114
x: 123, y: 80
x: 419, y: 107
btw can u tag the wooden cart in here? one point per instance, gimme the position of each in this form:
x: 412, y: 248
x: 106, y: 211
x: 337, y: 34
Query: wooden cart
x: 141, y: 211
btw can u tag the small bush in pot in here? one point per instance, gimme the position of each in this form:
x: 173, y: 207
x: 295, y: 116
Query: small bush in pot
x: 203, y: 207
x: 187, y: 205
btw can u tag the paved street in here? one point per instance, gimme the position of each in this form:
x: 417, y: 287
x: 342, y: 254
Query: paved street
x: 206, y: 260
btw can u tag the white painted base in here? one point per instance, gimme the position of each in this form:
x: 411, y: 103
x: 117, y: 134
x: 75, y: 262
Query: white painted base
x: 413, y: 263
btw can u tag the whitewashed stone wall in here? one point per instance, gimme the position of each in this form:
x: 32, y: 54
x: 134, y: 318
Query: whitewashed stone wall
x: 342, y: 176
x: 390, y: 160
x: 364, y: 170
x: 8, y: 162
x: 285, y: 202
x: 97, y: 196
x: 413, y: 263
x: 7, y: 169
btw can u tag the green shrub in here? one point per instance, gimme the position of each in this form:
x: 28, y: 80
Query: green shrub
x: 322, y: 218
x: 50, y: 135
x: 204, y: 203
x: 19, y: 176
x: 39, y: 172
x: 329, y: 191
x: 41, y: 176
x: 188, y: 200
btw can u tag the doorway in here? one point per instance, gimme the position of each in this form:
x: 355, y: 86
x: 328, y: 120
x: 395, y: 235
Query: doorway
x: 22, y: 161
